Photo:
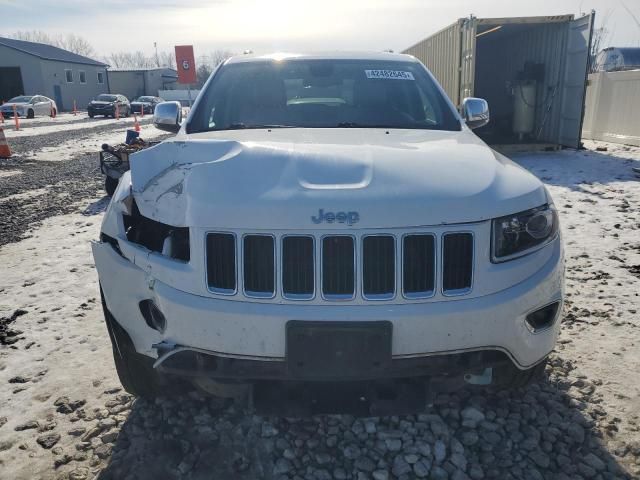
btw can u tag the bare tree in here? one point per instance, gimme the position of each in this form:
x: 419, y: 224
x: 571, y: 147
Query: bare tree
x: 219, y: 56
x: 599, y: 40
x: 37, y: 36
x: 75, y: 44
x: 70, y: 41
x: 167, y: 59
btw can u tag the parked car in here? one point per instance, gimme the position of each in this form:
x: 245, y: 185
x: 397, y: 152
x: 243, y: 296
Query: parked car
x: 325, y: 222
x: 107, y: 103
x: 145, y: 104
x: 29, y: 106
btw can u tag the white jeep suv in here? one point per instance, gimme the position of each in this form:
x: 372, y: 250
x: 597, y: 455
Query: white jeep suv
x: 328, y: 221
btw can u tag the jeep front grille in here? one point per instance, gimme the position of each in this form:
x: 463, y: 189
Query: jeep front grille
x: 298, y: 267
x: 379, y: 266
x: 221, y: 263
x: 457, y: 262
x: 338, y: 267
x: 259, y: 266
x: 419, y: 266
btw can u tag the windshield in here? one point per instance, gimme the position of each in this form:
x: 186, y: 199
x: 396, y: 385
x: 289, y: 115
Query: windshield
x: 144, y: 99
x: 323, y: 94
x: 106, y: 98
x: 22, y: 99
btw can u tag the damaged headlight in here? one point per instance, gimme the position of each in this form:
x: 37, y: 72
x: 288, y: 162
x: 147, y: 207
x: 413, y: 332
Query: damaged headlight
x: 521, y: 233
x: 156, y: 236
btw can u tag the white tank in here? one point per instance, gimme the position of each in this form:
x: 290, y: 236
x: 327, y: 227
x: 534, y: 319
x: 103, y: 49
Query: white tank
x: 524, y: 107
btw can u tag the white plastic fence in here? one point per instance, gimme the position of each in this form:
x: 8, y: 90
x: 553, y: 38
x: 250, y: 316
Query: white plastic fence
x: 612, y: 109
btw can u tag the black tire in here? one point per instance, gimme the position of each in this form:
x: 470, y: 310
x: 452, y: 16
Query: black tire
x: 512, y: 377
x: 110, y: 185
x: 128, y: 113
x: 135, y: 371
x: 91, y: 115
x: 30, y: 113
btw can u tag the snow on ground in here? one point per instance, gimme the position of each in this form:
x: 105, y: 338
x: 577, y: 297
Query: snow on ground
x: 62, y: 150
x: 62, y: 415
x: 64, y: 123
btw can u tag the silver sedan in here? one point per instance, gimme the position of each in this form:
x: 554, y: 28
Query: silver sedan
x: 29, y: 106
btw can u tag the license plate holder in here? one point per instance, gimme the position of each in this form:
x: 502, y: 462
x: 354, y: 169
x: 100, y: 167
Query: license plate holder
x: 328, y: 349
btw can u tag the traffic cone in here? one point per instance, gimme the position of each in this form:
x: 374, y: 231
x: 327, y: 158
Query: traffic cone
x: 16, y: 120
x: 5, y: 151
x: 1, y: 117
x: 136, y: 125
x: 75, y: 111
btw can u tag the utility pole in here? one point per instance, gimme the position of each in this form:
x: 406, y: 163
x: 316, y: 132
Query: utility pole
x: 155, y: 45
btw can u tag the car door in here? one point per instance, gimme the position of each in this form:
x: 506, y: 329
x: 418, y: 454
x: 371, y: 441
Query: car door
x: 43, y: 106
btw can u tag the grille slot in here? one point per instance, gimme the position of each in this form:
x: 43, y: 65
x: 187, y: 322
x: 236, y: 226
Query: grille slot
x: 378, y: 267
x: 457, y: 263
x: 298, y: 267
x: 338, y: 267
x: 419, y: 266
x: 221, y: 263
x: 259, y: 266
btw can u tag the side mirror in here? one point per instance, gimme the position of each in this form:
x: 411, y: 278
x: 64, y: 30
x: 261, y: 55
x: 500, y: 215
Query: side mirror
x: 475, y: 112
x: 168, y: 116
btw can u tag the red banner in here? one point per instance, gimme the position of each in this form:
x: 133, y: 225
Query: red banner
x: 186, y: 64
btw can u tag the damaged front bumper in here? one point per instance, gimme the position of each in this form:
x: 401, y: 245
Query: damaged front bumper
x: 233, y: 340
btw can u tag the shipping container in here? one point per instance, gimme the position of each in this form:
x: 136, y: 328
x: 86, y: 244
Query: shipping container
x: 531, y: 70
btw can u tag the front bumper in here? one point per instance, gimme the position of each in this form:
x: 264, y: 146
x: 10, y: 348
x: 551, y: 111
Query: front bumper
x: 250, y: 331
x: 101, y: 110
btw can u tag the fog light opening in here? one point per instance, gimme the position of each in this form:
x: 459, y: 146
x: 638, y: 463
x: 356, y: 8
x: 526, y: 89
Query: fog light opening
x: 543, y: 317
x: 152, y: 315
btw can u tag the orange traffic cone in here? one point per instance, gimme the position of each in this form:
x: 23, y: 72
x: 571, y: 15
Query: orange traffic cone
x: 75, y: 110
x: 136, y: 125
x: 5, y: 151
x: 1, y: 117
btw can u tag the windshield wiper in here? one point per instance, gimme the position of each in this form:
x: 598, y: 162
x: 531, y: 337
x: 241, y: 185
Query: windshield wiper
x: 242, y: 126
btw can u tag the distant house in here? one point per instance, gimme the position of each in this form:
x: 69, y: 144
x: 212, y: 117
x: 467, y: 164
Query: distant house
x: 614, y: 59
x: 29, y: 68
x: 134, y: 83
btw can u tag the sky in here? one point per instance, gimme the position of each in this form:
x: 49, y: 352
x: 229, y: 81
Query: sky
x: 286, y: 25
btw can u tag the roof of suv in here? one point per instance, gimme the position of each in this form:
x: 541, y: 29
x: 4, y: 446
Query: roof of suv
x: 278, y: 56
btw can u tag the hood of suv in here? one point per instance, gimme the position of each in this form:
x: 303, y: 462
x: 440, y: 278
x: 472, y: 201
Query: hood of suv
x: 283, y: 178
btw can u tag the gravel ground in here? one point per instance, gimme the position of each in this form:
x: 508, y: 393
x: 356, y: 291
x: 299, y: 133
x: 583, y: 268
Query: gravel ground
x: 63, y: 414
x: 32, y: 190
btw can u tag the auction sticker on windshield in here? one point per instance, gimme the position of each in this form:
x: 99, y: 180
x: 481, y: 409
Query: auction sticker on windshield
x: 389, y: 74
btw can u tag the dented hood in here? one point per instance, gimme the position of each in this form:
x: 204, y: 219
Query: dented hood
x: 279, y: 179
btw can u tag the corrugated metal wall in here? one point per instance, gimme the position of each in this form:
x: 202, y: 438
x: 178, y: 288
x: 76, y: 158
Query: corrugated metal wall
x: 500, y: 58
x: 441, y: 55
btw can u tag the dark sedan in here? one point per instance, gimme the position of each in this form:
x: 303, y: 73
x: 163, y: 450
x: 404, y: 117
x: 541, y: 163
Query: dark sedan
x: 108, y: 104
x: 146, y: 104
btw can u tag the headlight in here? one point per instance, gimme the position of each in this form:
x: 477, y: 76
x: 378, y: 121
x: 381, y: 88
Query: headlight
x: 521, y: 233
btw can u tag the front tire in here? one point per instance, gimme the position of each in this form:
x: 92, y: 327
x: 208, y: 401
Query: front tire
x: 110, y: 185
x: 30, y: 114
x: 135, y: 371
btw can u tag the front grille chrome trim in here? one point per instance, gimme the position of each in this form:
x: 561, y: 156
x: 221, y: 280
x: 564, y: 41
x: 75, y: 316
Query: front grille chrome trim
x: 460, y: 291
x: 339, y: 297
x: 249, y: 293
x: 299, y: 296
x: 427, y: 293
x: 360, y: 253
x: 220, y: 291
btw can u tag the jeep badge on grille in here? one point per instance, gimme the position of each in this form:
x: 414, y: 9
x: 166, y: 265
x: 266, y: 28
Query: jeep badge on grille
x: 350, y: 218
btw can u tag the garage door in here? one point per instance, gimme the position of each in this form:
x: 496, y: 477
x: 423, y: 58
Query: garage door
x: 10, y: 83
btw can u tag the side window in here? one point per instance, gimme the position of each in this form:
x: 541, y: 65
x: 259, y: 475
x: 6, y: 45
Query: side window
x: 69, y: 76
x: 100, y: 78
x: 83, y: 76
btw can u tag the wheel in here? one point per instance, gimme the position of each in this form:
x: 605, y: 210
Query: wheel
x: 110, y: 185
x: 91, y: 115
x: 135, y: 371
x: 128, y: 112
x: 30, y: 113
x: 512, y: 377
